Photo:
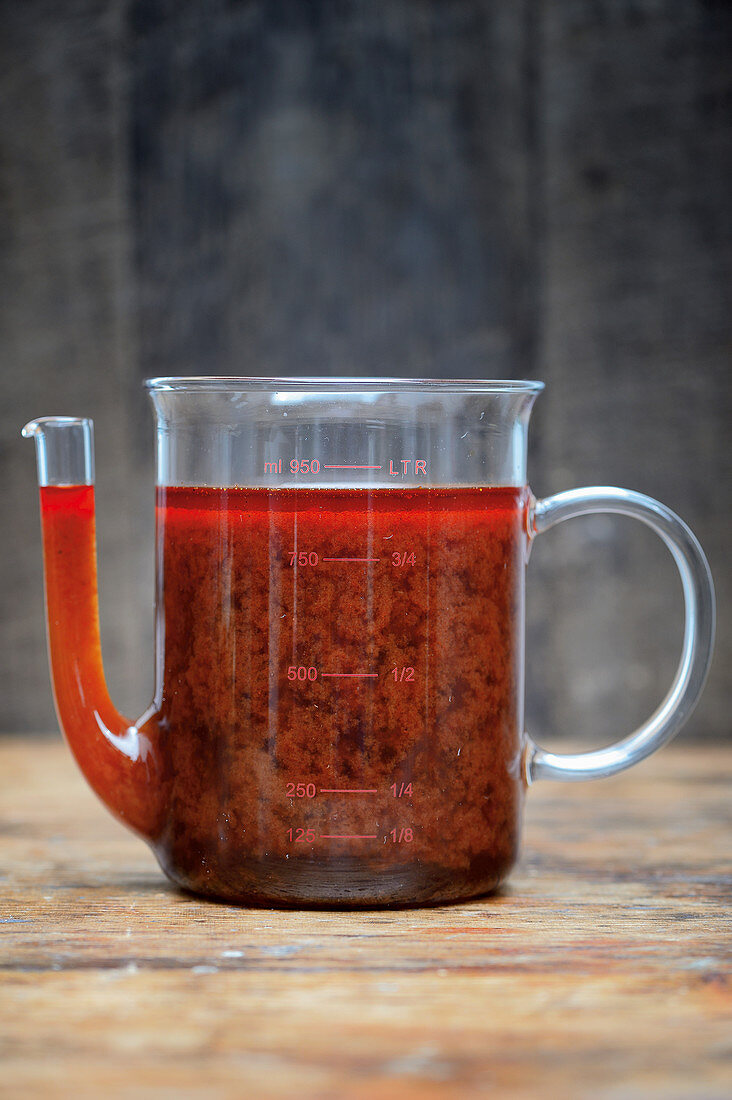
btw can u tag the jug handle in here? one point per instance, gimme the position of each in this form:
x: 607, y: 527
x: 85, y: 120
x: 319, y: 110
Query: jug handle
x: 696, y: 652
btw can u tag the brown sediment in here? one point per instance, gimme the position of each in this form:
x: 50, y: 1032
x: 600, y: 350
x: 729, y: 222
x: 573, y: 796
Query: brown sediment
x: 236, y: 731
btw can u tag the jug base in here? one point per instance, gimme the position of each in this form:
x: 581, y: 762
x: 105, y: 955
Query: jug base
x: 345, y: 886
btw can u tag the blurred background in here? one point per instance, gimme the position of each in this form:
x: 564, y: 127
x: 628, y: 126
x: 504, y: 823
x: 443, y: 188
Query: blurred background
x: 456, y: 188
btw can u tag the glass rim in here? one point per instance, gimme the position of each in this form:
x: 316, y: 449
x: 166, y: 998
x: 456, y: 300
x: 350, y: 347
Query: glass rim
x: 350, y: 385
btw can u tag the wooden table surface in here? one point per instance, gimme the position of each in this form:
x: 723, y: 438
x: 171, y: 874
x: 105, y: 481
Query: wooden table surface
x: 602, y: 970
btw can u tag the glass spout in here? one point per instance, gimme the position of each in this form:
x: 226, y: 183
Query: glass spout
x: 64, y: 449
x: 118, y: 757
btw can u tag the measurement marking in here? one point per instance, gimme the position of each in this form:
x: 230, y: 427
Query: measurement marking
x: 348, y: 836
x: 348, y: 790
x: 372, y: 674
x: 351, y: 559
x: 352, y: 467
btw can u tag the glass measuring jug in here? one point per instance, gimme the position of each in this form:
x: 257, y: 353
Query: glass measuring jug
x: 338, y: 710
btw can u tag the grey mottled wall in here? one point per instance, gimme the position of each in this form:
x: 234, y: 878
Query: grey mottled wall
x: 413, y: 187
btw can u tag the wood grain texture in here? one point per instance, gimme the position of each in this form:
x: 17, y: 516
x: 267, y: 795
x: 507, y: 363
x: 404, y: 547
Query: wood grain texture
x: 443, y: 187
x: 602, y: 970
x: 65, y: 334
x: 634, y: 170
